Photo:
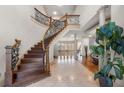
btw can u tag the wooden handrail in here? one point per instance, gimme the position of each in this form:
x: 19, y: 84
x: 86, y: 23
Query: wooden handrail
x: 67, y: 15
x: 73, y: 15
x: 49, y: 26
x: 62, y: 17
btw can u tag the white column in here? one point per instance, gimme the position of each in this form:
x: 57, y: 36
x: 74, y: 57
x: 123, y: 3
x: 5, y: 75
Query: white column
x: 101, y: 13
x: 75, y: 46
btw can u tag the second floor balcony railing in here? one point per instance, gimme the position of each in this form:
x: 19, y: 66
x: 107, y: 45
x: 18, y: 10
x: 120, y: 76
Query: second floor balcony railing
x: 71, y: 19
x: 58, y: 25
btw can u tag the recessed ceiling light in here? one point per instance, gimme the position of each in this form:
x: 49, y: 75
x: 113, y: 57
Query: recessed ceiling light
x: 60, y: 5
x: 55, y: 13
x: 72, y: 35
x: 90, y: 35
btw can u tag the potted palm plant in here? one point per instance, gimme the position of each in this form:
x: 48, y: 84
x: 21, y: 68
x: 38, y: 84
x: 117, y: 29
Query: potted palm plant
x: 110, y: 45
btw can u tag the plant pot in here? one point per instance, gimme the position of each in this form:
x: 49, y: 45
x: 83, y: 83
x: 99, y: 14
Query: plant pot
x: 105, y: 82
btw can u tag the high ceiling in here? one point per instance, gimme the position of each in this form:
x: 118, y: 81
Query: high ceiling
x: 60, y: 10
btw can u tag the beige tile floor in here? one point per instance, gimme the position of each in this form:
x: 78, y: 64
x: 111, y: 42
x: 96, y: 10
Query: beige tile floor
x: 67, y: 73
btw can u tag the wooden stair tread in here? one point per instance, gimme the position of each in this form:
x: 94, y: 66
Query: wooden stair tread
x: 32, y: 79
x: 36, y: 51
x: 32, y: 59
x: 31, y: 62
x: 37, y: 48
x: 27, y: 70
x: 32, y: 55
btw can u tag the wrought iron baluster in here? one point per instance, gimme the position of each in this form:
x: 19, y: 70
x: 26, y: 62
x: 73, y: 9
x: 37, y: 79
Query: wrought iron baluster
x: 55, y: 27
x: 15, y: 57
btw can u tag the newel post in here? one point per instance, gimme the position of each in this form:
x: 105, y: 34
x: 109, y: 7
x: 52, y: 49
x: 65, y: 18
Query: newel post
x: 8, y: 73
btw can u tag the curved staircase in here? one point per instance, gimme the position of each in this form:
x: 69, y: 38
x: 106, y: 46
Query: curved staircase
x: 35, y: 64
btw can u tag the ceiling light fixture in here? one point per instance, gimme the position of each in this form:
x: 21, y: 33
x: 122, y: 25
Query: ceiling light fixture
x: 90, y: 35
x: 55, y: 13
x: 72, y: 35
x: 60, y: 5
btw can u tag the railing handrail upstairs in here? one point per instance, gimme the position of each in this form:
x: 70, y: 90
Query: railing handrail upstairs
x: 52, y: 20
x: 55, y: 27
x: 48, y: 27
x: 62, y: 17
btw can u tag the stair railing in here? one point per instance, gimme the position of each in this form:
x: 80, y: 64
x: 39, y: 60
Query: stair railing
x: 12, y: 58
x: 55, y: 26
x: 71, y: 19
x: 41, y: 18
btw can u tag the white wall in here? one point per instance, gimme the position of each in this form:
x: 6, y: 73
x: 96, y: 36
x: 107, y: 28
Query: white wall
x: 51, y: 53
x: 85, y: 42
x: 15, y: 22
x: 86, y: 12
x: 117, y: 14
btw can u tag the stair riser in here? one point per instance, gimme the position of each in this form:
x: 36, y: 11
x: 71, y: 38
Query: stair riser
x: 37, y: 50
x: 41, y: 44
x: 33, y: 56
x: 34, y: 48
x: 38, y: 45
x: 32, y: 60
x: 25, y: 75
x: 30, y: 66
x: 41, y: 52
